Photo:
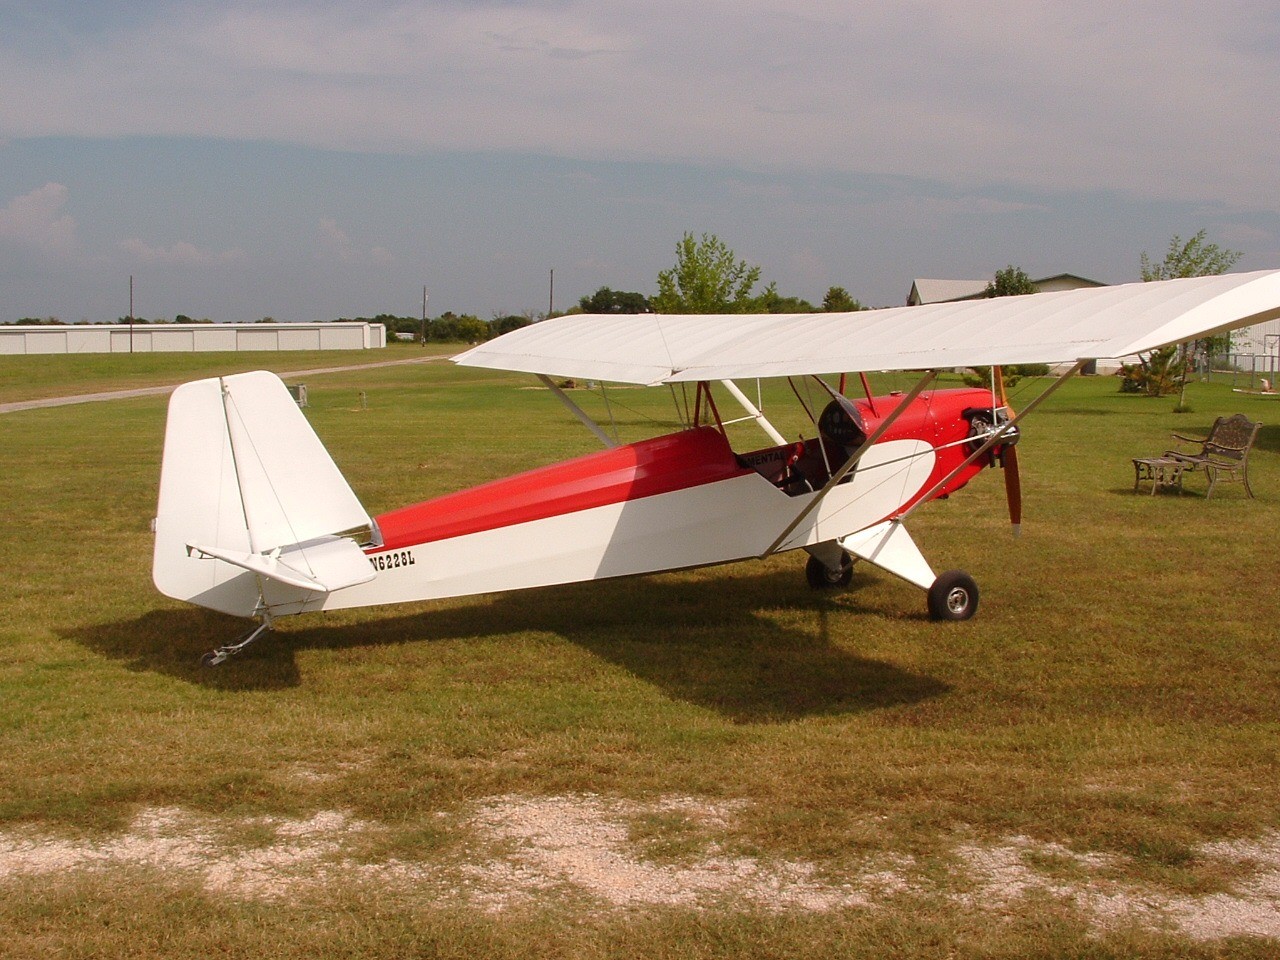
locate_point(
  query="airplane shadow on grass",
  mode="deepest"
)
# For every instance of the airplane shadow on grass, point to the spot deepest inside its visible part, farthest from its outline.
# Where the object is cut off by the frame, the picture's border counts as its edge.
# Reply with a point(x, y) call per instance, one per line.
point(715, 642)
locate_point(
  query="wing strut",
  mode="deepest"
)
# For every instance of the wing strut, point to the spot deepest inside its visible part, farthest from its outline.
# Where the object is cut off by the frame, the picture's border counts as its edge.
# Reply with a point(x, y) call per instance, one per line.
point(852, 462)
point(753, 412)
point(992, 440)
point(577, 411)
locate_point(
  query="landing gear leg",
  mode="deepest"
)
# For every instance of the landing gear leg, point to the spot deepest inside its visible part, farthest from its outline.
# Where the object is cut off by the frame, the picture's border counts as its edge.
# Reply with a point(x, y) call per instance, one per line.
point(215, 657)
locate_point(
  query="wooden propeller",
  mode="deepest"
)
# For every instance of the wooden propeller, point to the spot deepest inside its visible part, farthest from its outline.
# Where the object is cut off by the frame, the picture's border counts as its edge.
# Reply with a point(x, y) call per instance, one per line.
point(1009, 460)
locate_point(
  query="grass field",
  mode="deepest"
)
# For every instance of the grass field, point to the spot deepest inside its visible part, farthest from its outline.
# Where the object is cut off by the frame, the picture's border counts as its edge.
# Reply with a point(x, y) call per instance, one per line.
point(54, 375)
point(714, 763)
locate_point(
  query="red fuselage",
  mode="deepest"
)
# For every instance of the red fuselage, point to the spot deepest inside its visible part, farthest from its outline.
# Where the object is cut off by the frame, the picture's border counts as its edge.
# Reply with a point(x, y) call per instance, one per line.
point(679, 461)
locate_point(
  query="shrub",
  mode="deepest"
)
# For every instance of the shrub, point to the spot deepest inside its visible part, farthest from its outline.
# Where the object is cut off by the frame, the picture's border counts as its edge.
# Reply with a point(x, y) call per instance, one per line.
point(1158, 374)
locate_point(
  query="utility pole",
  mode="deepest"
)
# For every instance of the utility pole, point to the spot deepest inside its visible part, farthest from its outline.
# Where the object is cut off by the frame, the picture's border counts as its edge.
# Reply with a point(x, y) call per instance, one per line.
point(424, 316)
point(131, 313)
point(551, 298)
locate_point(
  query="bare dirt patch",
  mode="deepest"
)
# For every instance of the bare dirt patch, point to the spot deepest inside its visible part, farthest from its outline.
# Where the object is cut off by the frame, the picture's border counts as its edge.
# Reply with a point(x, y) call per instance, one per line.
point(584, 842)
point(1004, 873)
point(525, 850)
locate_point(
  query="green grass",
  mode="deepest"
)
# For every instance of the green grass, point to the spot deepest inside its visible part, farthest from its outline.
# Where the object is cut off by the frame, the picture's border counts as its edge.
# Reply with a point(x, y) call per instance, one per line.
point(1118, 692)
point(37, 377)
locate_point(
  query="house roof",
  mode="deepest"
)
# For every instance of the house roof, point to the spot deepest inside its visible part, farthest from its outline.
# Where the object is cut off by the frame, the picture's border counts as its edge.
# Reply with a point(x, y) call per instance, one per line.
point(940, 291)
point(945, 291)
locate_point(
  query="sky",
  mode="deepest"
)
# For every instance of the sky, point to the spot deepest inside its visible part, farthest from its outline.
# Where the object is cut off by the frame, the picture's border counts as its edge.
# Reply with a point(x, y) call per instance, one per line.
point(322, 159)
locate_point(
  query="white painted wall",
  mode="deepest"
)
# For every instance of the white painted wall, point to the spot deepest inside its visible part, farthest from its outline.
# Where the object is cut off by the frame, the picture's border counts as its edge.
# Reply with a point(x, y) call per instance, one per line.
point(1263, 338)
point(192, 337)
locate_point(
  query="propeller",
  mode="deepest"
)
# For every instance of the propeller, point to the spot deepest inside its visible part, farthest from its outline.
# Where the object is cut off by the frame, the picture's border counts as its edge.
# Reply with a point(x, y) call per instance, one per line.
point(1009, 461)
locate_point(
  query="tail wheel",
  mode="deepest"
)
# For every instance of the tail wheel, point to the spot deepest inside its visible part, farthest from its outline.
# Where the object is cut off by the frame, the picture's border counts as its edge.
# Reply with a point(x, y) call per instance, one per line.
point(953, 596)
point(822, 577)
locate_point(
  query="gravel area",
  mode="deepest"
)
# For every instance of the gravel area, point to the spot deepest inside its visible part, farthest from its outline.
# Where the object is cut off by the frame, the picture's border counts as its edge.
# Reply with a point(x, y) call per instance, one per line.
point(519, 851)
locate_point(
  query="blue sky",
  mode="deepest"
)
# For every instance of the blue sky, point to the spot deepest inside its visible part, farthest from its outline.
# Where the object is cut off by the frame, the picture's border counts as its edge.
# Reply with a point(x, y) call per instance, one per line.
point(315, 160)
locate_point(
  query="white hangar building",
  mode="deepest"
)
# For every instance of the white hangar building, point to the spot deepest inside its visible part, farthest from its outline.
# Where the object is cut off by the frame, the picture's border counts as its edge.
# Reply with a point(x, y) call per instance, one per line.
point(191, 337)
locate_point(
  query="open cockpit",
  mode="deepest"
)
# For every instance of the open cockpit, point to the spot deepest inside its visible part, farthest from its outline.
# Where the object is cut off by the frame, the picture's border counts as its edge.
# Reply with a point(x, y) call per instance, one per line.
point(806, 465)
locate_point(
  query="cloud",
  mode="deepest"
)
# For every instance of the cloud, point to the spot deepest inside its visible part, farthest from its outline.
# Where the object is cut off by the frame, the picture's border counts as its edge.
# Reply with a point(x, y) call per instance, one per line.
point(179, 253)
point(335, 242)
point(1164, 102)
point(334, 239)
point(36, 220)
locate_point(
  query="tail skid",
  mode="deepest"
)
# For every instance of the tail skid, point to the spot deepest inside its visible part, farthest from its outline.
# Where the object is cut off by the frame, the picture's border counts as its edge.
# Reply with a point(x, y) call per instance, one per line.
point(254, 517)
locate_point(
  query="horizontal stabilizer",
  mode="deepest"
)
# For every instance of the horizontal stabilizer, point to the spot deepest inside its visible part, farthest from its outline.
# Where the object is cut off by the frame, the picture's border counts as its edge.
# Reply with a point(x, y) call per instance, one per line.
point(327, 564)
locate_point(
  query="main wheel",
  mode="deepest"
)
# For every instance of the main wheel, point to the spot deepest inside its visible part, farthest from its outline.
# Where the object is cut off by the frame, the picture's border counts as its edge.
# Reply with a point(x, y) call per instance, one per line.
point(821, 577)
point(953, 596)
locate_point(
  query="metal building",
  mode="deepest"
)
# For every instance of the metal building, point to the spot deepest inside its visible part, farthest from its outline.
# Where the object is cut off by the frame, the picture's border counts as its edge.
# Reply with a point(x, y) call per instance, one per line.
point(191, 337)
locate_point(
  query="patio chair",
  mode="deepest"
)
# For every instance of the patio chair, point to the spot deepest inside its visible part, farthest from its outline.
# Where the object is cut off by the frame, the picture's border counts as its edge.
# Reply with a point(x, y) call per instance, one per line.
point(1224, 453)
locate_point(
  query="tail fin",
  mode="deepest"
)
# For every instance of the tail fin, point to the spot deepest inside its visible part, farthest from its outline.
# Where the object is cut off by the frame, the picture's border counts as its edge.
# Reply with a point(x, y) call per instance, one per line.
point(254, 515)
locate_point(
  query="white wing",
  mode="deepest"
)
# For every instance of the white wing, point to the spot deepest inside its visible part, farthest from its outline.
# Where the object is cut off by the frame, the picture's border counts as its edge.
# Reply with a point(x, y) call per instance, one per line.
point(1065, 326)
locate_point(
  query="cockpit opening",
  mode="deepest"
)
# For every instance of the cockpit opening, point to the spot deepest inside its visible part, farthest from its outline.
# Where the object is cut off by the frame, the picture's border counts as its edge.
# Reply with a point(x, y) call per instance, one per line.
point(807, 465)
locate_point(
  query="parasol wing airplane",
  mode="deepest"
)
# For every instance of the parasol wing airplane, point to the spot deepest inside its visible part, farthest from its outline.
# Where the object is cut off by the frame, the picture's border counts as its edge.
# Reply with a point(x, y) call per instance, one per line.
point(256, 520)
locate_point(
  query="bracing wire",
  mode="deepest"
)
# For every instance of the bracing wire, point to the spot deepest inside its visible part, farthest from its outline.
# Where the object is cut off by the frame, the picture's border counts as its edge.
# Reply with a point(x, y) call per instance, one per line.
point(604, 392)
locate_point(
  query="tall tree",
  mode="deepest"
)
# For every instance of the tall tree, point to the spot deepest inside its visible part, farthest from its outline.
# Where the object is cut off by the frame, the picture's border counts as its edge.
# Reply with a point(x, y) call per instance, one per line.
point(1195, 258)
point(706, 278)
point(1010, 282)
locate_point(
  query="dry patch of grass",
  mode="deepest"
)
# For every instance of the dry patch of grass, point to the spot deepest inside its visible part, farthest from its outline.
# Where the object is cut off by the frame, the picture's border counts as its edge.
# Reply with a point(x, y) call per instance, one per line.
point(514, 852)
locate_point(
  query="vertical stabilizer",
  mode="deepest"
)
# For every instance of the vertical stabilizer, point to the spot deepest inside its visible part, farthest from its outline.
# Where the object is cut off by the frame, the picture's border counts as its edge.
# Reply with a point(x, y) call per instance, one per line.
point(244, 480)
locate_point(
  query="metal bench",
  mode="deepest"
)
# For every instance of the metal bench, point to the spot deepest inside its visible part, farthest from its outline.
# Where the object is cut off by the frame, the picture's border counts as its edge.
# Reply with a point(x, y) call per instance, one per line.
point(1223, 454)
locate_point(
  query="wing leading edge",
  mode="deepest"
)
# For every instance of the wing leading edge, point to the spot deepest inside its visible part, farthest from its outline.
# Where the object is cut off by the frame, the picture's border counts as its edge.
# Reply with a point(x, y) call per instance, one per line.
point(1059, 327)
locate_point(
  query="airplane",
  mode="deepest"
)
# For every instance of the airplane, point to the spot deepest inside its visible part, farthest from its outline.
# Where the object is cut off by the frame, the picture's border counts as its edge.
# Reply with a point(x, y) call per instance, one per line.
point(256, 520)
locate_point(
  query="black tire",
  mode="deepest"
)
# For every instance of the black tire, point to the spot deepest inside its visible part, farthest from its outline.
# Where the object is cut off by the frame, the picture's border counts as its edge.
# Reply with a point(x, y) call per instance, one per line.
point(953, 596)
point(822, 578)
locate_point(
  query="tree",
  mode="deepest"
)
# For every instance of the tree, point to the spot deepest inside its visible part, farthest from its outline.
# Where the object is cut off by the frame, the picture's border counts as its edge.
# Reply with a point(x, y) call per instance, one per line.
point(605, 300)
point(770, 301)
point(1195, 258)
point(449, 327)
point(1010, 282)
point(837, 300)
point(513, 321)
point(706, 278)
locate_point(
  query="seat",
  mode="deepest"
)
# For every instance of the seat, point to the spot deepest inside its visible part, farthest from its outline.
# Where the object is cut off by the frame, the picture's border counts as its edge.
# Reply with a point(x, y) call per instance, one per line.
point(1223, 454)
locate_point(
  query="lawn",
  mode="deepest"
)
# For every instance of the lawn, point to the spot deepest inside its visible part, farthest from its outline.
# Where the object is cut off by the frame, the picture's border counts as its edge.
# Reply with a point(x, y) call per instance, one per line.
point(52, 375)
point(712, 763)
